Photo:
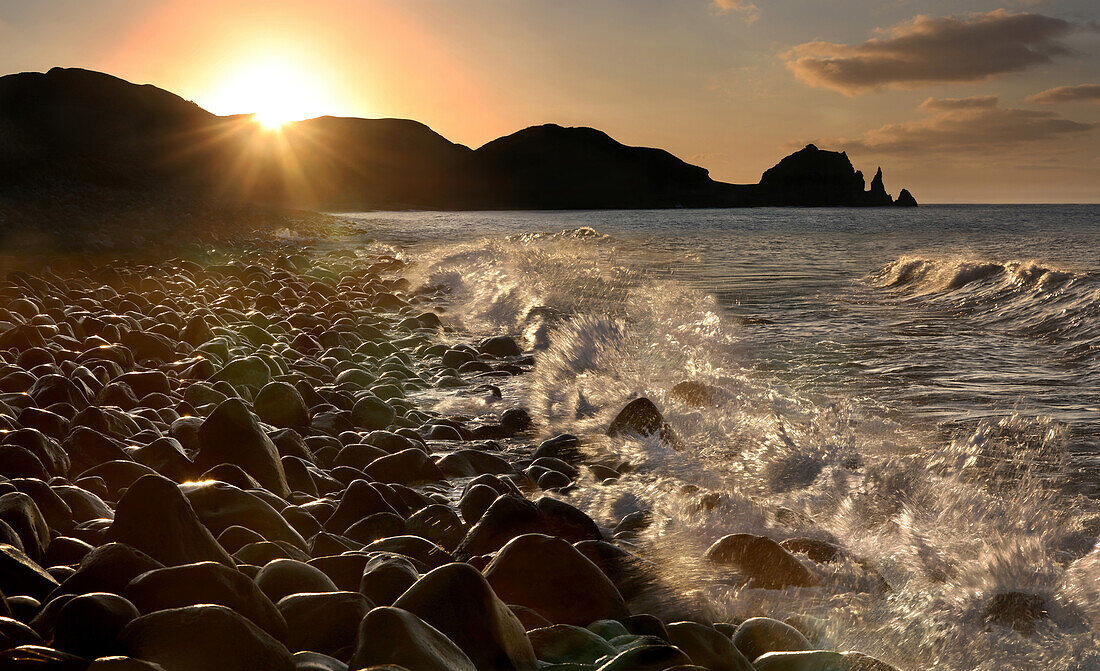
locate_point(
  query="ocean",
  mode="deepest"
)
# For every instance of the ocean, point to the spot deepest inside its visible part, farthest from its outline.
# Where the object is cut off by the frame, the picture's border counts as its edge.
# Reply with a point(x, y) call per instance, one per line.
point(919, 387)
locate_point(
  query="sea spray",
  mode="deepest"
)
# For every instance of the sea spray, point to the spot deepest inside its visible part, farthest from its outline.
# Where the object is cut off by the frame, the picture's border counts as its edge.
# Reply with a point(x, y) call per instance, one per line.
point(932, 527)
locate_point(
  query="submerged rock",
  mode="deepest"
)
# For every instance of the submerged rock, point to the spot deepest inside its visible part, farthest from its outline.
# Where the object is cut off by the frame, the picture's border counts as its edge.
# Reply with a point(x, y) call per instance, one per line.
point(641, 417)
point(762, 561)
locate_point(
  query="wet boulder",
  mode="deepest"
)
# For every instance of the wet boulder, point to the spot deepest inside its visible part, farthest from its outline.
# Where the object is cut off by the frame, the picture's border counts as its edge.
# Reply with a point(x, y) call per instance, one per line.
point(280, 405)
point(386, 577)
point(87, 625)
point(324, 622)
point(283, 577)
point(707, 647)
point(372, 413)
point(395, 637)
point(568, 589)
point(407, 467)
point(220, 505)
point(21, 513)
point(21, 576)
point(200, 638)
point(231, 435)
point(654, 657)
point(108, 568)
point(209, 583)
point(763, 562)
point(1017, 610)
point(155, 517)
point(458, 601)
point(568, 644)
point(641, 417)
point(760, 635)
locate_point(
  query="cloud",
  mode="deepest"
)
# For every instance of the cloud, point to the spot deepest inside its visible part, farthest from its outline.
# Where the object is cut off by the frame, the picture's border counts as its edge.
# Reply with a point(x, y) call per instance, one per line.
point(1067, 94)
point(928, 50)
point(976, 125)
point(745, 7)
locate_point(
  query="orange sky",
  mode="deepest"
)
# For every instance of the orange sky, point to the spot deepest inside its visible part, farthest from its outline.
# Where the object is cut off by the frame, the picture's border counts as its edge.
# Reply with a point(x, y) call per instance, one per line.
point(731, 86)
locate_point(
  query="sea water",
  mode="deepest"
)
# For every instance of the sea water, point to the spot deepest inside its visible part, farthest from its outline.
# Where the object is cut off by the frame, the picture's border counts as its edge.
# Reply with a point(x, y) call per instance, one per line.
point(919, 387)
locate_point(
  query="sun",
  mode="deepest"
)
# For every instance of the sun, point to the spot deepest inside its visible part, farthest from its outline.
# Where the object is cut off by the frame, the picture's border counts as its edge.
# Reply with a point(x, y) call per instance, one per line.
point(276, 91)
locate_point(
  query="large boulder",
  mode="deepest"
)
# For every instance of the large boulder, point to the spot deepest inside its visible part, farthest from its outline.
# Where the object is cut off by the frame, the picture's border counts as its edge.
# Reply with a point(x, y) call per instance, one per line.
point(407, 467)
point(761, 561)
point(155, 517)
point(568, 644)
point(201, 638)
point(324, 622)
point(87, 625)
point(760, 635)
point(641, 417)
point(458, 601)
point(386, 577)
point(20, 576)
point(231, 435)
point(21, 513)
point(398, 638)
point(654, 657)
point(210, 583)
point(707, 647)
point(220, 505)
point(108, 568)
point(283, 577)
point(549, 576)
point(279, 404)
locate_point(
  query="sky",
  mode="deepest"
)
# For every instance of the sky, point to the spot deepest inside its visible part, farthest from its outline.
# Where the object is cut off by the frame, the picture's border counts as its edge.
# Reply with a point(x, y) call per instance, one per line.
point(959, 101)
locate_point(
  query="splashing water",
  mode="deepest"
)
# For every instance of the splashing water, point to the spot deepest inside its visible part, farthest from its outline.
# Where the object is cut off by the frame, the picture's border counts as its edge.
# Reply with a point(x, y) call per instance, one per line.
point(936, 521)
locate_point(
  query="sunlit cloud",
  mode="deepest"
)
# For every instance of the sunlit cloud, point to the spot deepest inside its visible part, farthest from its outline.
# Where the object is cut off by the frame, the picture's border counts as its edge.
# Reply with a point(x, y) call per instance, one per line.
point(977, 125)
point(1067, 94)
point(929, 50)
point(747, 9)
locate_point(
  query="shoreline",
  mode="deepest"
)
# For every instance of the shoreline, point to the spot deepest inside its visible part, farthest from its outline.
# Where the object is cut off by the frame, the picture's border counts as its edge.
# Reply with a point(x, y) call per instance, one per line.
point(190, 401)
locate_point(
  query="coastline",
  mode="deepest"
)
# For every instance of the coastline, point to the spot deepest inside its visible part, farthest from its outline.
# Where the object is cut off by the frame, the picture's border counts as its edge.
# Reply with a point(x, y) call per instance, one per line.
point(165, 365)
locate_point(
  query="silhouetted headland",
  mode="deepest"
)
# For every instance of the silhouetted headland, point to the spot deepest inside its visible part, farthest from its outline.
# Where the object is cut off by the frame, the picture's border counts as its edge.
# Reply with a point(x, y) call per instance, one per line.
point(73, 126)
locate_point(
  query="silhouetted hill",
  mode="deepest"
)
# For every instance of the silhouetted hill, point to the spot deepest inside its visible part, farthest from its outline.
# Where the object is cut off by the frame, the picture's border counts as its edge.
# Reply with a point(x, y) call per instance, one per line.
point(72, 126)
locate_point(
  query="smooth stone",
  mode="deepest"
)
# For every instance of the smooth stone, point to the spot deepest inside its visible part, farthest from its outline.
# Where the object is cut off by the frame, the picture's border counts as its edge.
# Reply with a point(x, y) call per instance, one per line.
point(552, 578)
point(206, 583)
point(220, 505)
point(201, 638)
point(760, 635)
point(392, 636)
point(14, 633)
point(87, 625)
point(458, 601)
point(568, 644)
point(407, 467)
point(647, 658)
point(641, 417)
point(707, 647)
point(420, 549)
point(155, 517)
point(231, 435)
point(108, 568)
point(251, 371)
point(385, 577)
point(19, 575)
point(763, 561)
point(359, 501)
point(372, 413)
point(324, 622)
point(279, 404)
point(21, 513)
point(283, 577)
point(437, 523)
point(375, 527)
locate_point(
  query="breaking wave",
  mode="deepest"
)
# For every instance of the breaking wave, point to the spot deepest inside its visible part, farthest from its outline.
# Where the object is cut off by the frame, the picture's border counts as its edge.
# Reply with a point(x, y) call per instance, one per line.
point(932, 529)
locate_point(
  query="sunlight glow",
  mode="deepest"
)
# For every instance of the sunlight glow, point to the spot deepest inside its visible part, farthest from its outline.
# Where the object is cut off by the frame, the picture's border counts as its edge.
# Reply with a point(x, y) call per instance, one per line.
point(276, 91)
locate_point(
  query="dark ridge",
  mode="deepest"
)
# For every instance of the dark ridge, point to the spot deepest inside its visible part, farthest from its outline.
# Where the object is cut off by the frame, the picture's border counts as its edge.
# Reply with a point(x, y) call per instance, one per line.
point(76, 128)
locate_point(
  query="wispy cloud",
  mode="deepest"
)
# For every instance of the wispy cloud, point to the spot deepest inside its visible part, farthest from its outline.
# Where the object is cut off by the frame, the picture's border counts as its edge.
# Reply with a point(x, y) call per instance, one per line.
point(928, 50)
point(1067, 94)
point(977, 125)
point(745, 7)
